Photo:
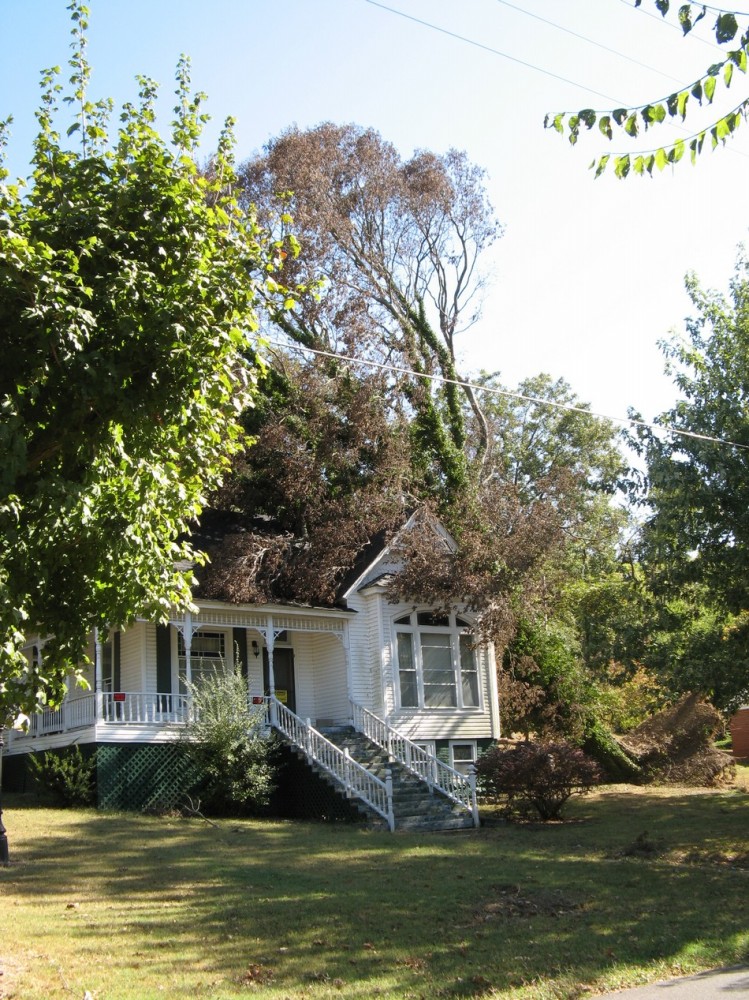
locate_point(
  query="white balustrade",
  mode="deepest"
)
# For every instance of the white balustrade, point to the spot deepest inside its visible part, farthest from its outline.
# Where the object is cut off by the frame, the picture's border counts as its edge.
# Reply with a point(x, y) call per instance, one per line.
point(458, 787)
point(144, 707)
point(356, 780)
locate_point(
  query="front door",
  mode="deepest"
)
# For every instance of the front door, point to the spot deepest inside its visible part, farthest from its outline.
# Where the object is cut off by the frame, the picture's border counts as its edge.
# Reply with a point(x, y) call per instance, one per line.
point(283, 674)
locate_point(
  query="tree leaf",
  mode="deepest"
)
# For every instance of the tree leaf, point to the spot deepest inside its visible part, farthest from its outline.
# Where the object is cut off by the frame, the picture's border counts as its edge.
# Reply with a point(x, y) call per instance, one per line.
point(587, 116)
point(604, 124)
point(621, 166)
point(726, 27)
point(602, 164)
point(661, 158)
point(697, 90)
point(619, 114)
point(631, 126)
point(685, 18)
point(709, 88)
point(728, 73)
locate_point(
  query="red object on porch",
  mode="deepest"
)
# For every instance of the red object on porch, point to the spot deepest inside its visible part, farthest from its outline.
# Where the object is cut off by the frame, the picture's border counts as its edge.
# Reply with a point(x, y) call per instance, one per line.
point(739, 726)
point(119, 696)
point(257, 701)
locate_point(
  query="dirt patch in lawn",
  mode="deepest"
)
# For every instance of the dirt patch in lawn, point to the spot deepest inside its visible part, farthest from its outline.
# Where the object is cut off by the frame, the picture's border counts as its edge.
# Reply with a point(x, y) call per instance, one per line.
point(514, 902)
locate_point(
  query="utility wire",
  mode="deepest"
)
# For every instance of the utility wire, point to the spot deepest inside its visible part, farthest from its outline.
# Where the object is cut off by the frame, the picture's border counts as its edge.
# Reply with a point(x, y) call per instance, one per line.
point(494, 391)
point(611, 101)
point(488, 48)
point(590, 41)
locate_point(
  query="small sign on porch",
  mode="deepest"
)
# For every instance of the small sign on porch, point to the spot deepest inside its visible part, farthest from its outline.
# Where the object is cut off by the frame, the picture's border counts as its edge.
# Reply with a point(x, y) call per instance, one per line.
point(119, 696)
point(282, 694)
point(257, 699)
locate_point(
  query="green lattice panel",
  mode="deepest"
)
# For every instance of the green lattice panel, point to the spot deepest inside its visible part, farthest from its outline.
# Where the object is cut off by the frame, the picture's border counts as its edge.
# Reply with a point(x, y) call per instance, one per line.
point(143, 778)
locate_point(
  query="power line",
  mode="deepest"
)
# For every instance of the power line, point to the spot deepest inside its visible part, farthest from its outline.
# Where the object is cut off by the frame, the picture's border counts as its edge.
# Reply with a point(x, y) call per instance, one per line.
point(488, 48)
point(590, 41)
point(493, 390)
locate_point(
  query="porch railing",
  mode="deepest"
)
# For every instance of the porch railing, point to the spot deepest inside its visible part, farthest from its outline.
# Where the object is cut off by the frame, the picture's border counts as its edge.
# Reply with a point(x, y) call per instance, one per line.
point(74, 714)
point(460, 788)
point(352, 776)
point(132, 707)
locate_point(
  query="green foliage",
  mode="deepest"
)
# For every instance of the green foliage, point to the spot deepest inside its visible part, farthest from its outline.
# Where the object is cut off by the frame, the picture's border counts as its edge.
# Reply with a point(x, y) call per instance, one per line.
point(625, 699)
point(227, 743)
point(541, 775)
point(630, 120)
point(66, 774)
point(128, 282)
point(695, 542)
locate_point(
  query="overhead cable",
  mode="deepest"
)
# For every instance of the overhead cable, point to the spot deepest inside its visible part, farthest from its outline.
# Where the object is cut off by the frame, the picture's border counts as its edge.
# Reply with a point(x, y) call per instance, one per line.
point(493, 390)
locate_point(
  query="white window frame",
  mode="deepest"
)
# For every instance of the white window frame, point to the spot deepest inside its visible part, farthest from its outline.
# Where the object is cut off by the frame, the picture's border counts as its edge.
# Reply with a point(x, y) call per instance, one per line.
point(454, 631)
point(178, 657)
point(459, 765)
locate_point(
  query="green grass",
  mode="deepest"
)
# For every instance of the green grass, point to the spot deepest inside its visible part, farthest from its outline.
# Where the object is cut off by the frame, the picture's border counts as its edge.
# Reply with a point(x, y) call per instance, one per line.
point(133, 907)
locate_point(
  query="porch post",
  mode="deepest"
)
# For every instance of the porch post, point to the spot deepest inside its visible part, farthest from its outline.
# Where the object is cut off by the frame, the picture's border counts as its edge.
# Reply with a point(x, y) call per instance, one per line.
point(270, 641)
point(345, 639)
point(187, 634)
point(98, 675)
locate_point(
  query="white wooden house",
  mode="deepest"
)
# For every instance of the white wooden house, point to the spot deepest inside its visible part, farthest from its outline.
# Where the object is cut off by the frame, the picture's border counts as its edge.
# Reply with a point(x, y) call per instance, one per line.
point(404, 675)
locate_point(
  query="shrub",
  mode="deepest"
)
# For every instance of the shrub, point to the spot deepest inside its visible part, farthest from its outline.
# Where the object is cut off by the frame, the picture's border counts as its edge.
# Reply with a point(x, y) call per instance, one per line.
point(227, 742)
point(541, 775)
point(67, 775)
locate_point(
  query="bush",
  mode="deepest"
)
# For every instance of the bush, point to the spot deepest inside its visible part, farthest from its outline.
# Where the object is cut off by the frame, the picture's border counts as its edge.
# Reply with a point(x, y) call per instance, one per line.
point(227, 742)
point(67, 775)
point(538, 775)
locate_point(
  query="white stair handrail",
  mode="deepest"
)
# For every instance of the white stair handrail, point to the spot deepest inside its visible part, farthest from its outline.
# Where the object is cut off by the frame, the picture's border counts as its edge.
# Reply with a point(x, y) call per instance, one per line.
point(355, 779)
point(458, 787)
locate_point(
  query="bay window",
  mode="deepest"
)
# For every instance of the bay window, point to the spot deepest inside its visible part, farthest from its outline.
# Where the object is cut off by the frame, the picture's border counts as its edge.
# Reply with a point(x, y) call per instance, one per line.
point(437, 666)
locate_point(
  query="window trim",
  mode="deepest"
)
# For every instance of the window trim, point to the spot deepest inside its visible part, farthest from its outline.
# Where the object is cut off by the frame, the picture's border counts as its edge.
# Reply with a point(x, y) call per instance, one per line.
point(463, 743)
point(178, 656)
point(415, 630)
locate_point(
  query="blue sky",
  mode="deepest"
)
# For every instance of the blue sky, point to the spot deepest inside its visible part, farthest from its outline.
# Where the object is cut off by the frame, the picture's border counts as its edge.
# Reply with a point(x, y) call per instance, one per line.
point(589, 274)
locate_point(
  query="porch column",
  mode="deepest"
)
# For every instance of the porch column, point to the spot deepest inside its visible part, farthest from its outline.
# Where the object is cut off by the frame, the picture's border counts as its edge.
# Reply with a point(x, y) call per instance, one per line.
point(98, 675)
point(270, 641)
point(187, 635)
point(345, 640)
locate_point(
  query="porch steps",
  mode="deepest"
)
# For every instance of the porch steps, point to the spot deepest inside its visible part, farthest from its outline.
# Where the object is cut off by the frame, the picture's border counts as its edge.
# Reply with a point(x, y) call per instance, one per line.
point(414, 806)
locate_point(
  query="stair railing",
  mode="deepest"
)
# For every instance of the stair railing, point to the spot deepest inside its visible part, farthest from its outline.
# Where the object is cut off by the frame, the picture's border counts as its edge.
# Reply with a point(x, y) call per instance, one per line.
point(354, 778)
point(458, 787)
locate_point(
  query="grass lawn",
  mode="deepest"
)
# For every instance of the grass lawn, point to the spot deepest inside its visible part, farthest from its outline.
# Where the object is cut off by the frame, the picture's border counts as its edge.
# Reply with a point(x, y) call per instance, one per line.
point(134, 907)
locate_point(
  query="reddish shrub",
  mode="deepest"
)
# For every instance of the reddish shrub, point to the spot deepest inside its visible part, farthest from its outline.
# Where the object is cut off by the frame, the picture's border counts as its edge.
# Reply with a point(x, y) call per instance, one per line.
point(542, 775)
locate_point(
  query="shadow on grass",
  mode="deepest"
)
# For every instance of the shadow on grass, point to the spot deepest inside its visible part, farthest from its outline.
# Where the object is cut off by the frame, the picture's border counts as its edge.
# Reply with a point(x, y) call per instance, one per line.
point(290, 904)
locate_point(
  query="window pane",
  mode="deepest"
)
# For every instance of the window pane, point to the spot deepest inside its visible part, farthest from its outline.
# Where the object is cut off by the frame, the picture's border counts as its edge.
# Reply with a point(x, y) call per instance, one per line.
point(407, 671)
point(435, 620)
point(469, 673)
point(404, 620)
point(437, 669)
point(463, 756)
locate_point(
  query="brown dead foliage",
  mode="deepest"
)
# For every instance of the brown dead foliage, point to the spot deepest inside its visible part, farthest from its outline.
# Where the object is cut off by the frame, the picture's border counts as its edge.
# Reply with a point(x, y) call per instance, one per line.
point(676, 744)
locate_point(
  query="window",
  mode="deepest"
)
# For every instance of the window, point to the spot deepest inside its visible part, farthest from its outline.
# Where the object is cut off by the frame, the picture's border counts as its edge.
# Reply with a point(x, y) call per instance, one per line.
point(462, 756)
point(207, 656)
point(437, 665)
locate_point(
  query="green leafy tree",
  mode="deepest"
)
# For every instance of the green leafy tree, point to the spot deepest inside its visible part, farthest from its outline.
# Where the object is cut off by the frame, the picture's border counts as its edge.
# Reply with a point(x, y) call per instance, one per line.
point(695, 541)
point(128, 284)
point(630, 122)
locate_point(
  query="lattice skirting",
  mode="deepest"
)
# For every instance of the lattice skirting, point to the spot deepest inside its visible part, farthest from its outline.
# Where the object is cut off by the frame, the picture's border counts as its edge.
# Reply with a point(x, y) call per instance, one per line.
point(143, 777)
